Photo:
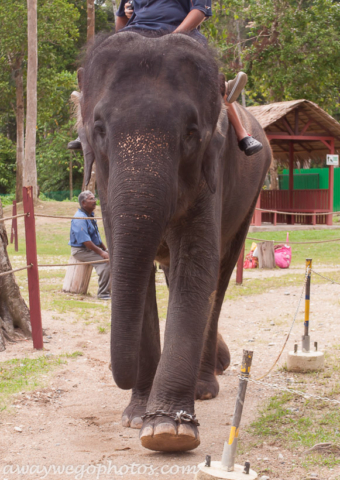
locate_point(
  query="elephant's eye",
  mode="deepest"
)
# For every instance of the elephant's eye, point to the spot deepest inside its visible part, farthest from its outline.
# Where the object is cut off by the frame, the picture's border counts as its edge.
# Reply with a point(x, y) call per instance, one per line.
point(192, 130)
point(99, 127)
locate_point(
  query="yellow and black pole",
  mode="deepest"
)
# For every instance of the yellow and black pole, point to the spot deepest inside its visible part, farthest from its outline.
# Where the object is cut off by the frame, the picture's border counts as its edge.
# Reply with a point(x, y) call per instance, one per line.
point(305, 336)
point(229, 451)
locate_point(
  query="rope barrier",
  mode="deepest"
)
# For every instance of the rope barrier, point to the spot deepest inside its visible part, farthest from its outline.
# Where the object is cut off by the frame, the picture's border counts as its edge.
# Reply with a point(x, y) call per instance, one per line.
point(296, 213)
point(294, 243)
point(326, 278)
point(68, 218)
point(290, 390)
point(74, 264)
point(15, 270)
point(15, 216)
point(290, 330)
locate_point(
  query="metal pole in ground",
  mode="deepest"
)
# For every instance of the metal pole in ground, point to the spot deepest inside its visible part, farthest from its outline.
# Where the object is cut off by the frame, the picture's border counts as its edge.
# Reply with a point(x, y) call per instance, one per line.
point(306, 337)
point(229, 451)
point(32, 273)
point(12, 228)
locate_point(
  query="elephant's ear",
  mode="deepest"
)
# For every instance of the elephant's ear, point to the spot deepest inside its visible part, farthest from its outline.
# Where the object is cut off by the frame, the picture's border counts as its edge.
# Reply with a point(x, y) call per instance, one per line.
point(211, 161)
point(87, 153)
point(80, 76)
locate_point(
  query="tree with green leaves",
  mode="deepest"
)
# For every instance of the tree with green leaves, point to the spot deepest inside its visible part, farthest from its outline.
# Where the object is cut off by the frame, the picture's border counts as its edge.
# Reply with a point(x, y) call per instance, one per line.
point(56, 30)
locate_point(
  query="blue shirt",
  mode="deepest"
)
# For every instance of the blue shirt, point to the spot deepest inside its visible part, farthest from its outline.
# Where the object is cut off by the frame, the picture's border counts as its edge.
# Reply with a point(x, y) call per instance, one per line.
point(84, 230)
point(162, 14)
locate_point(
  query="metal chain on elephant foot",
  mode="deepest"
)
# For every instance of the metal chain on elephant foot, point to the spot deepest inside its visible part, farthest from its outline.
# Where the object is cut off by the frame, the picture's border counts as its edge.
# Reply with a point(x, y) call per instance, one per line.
point(179, 417)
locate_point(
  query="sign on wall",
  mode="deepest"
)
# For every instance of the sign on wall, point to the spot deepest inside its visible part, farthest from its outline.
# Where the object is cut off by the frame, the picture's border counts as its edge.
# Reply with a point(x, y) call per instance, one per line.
point(332, 160)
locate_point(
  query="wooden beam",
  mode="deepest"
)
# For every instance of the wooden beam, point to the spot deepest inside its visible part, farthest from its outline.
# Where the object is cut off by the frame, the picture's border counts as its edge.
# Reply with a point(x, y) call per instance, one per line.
point(287, 125)
point(291, 173)
point(296, 121)
point(305, 128)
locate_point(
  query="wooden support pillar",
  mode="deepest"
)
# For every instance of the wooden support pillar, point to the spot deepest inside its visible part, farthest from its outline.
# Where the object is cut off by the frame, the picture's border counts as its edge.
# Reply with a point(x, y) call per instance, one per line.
point(291, 173)
point(329, 220)
point(32, 273)
point(258, 213)
point(239, 267)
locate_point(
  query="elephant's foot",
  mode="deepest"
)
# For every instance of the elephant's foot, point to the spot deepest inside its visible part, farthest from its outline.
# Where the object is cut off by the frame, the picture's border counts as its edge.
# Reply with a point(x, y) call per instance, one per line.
point(222, 357)
point(132, 414)
point(207, 387)
point(163, 434)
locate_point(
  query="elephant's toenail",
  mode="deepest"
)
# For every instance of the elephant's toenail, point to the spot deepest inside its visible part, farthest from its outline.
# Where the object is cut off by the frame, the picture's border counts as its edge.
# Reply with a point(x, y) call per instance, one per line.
point(165, 428)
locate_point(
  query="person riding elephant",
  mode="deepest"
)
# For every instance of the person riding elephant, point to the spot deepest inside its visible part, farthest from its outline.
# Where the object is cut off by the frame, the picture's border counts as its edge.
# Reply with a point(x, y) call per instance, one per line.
point(174, 187)
point(182, 16)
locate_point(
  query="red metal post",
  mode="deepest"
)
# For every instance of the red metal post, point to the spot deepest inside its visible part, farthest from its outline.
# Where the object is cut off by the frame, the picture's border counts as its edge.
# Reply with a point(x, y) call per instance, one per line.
point(329, 219)
point(14, 229)
point(32, 273)
point(291, 174)
point(258, 213)
point(239, 267)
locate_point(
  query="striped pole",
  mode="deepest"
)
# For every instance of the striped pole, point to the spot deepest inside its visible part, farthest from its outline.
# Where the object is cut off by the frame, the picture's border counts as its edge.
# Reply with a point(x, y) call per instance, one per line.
point(230, 447)
point(306, 337)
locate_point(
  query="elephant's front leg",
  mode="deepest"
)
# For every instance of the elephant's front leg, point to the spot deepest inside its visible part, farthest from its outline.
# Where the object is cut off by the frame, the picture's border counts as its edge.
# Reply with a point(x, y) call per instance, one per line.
point(193, 279)
point(150, 351)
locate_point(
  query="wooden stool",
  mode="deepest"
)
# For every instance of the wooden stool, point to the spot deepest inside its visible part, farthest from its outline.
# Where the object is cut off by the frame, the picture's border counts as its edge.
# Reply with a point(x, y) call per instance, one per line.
point(77, 278)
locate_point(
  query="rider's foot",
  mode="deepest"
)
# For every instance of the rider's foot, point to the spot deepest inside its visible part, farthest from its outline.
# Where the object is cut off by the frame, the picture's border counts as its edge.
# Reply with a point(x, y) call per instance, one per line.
point(75, 145)
point(234, 87)
point(249, 145)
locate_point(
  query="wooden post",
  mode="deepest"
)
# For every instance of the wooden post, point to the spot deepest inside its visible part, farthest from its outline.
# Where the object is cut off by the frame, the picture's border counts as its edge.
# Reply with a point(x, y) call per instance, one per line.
point(32, 273)
point(258, 213)
point(14, 229)
point(291, 173)
point(266, 254)
point(239, 267)
point(229, 451)
point(329, 219)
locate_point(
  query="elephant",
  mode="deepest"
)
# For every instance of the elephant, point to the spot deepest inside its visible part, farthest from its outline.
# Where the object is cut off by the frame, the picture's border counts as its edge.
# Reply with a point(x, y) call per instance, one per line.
point(174, 187)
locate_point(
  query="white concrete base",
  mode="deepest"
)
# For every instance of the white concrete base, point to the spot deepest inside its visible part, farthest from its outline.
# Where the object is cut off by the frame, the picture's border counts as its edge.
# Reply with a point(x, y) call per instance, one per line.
point(305, 361)
point(216, 472)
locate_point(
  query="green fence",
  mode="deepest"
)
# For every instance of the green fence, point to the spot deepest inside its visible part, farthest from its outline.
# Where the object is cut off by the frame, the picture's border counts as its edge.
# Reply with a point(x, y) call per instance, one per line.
point(322, 180)
point(61, 196)
point(301, 182)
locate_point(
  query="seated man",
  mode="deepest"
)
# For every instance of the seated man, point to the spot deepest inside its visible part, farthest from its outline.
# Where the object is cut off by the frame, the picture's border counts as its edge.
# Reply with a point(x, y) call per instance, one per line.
point(86, 244)
point(181, 16)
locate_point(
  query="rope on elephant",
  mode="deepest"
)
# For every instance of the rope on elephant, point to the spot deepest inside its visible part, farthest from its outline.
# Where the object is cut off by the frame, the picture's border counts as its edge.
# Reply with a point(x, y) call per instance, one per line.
point(68, 218)
point(15, 270)
point(15, 216)
point(73, 264)
point(296, 213)
point(294, 243)
point(291, 328)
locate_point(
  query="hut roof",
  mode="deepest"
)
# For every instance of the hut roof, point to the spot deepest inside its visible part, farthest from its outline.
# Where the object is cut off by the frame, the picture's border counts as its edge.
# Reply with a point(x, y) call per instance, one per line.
point(292, 117)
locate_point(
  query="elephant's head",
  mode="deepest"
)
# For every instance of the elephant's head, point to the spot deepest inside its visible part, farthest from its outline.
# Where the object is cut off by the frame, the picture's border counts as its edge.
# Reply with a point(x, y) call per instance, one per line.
point(150, 109)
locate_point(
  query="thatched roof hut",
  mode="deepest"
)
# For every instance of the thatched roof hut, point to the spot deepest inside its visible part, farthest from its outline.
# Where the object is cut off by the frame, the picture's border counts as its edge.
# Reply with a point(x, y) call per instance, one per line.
point(310, 128)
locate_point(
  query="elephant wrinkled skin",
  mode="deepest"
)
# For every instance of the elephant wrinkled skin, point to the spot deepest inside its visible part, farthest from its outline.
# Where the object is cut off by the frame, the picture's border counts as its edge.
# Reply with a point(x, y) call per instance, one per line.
point(172, 185)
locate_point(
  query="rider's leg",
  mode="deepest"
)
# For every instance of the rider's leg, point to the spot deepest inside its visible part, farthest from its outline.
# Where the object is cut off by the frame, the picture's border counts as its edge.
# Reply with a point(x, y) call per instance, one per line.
point(246, 142)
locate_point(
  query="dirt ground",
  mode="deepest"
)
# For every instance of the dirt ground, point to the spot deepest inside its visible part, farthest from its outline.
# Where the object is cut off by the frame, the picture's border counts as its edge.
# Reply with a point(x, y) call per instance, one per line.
point(75, 421)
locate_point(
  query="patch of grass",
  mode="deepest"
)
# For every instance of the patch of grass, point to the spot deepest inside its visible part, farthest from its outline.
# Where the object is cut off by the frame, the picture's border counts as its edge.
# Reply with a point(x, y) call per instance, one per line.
point(256, 286)
point(298, 423)
point(101, 329)
point(25, 374)
point(321, 253)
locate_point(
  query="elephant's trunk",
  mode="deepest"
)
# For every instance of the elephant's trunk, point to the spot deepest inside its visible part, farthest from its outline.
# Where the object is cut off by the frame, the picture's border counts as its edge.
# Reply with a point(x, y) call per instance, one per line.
point(140, 209)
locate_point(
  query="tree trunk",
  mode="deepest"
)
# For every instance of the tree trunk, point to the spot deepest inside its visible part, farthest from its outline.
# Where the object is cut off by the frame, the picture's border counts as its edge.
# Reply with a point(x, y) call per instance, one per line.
point(20, 120)
point(274, 184)
point(14, 313)
point(90, 35)
point(30, 167)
